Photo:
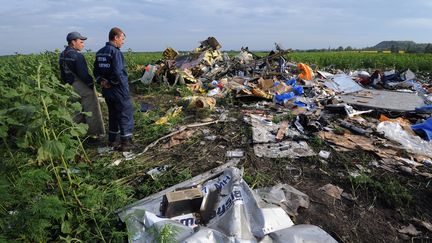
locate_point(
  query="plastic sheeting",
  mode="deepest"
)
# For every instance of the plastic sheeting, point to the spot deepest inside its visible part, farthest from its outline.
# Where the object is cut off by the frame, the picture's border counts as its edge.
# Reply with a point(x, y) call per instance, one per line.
point(414, 144)
point(231, 212)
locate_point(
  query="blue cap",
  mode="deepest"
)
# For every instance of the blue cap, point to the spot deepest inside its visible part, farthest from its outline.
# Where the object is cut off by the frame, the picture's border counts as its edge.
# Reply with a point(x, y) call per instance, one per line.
point(75, 35)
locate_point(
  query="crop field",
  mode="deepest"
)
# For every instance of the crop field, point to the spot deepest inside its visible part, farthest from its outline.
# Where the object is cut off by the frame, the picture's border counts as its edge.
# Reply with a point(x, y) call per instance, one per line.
point(53, 188)
point(355, 60)
point(339, 60)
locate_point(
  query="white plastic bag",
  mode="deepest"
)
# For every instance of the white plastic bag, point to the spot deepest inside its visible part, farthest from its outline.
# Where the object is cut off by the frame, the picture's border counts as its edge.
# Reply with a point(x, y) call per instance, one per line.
point(414, 144)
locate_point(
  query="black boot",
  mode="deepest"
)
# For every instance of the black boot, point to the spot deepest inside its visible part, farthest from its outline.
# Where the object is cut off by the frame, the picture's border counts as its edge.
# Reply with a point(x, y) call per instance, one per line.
point(126, 144)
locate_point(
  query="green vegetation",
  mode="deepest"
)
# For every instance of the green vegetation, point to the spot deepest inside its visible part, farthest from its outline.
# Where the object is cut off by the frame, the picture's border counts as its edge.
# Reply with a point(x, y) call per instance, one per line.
point(339, 130)
point(385, 188)
point(52, 189)
point(257, 179)
point(356, 60)
point(147, 57)
point(163, 181)
point(283, 117)
point(316, 143)
point(347, 60)
point(164, 234)
point(49, 189)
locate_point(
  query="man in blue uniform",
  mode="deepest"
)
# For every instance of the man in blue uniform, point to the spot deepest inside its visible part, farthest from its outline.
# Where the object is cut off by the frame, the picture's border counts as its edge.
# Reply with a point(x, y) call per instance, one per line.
point(110, 73)
point(73, 71)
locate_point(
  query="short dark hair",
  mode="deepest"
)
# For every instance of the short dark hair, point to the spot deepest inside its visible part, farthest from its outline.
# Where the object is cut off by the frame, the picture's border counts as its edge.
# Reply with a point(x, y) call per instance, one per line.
point(115, 32)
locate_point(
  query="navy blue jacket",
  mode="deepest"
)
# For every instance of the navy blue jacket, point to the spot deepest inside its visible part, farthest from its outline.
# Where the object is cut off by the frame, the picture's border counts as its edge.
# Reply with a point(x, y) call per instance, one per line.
point(110, 65)
point(73, 64)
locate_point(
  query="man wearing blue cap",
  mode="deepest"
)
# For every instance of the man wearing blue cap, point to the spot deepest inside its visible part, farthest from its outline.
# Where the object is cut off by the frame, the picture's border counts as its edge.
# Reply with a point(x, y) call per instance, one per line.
point(74, 71)
point(110, 72)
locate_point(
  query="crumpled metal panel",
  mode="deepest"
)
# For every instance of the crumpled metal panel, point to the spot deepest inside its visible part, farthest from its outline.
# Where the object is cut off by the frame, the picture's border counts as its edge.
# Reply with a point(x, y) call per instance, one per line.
point(285, 196)
point(300, 234)
point(235, 214)
point(264, 137)
point(343, 83)
point(384, 100)
point(264, 130)
point(284, 149)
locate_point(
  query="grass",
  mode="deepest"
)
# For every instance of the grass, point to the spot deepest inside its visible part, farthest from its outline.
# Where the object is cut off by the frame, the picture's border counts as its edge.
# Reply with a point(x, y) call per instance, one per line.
point(385, 188)
point(256, 179)
point(339, 130)
point(288, 116)
point(147, 57)
point(166, 179)
point(316, 143)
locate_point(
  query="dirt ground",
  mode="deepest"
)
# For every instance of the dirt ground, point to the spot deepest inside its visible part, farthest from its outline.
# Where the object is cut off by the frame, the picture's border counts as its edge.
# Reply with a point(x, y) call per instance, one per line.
point(365, 215)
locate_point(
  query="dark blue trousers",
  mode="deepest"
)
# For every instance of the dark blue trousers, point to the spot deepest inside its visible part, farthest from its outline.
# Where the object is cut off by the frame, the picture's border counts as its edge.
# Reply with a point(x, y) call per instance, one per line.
point(120, 117)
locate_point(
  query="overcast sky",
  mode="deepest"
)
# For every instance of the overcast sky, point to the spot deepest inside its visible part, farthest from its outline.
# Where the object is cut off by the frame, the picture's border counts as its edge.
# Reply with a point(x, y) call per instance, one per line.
point(32, 26)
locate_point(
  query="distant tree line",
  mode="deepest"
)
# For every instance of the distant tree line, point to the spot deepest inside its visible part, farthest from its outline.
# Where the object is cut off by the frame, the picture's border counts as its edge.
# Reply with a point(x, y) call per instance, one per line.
point(384, 46)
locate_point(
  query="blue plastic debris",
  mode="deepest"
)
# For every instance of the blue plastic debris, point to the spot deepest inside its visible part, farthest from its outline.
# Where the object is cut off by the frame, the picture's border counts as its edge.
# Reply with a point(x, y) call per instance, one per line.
point(298, 90)
point(283, 97)
point(425, 108)
point(424, 128)
point(291, 82)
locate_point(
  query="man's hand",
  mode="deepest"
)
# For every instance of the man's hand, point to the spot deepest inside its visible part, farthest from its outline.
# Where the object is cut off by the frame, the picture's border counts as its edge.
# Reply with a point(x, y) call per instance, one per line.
point(105, 84)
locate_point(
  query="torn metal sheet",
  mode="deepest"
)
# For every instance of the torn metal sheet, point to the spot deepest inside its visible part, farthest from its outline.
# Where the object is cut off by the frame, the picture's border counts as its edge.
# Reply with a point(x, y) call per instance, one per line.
point(154, 172)
point(153, 200)
point(325, 74)
point(289, 149)
point(343, 83)
point(264, 130)
point(386, 100)
point(238, 153)
point(264, 134)
point(300, 234)
point(230, 212)
point(285, 196)
point(244, 57)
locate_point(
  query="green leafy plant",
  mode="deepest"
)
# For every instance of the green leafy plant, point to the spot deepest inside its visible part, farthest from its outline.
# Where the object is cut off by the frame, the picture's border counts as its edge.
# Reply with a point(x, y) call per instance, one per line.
point(164, 234)
point(42, 198)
